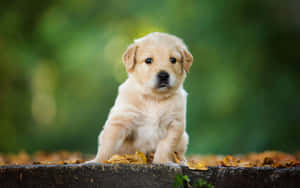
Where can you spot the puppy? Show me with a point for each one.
(149, 112)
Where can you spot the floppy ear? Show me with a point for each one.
(187, 59)
(129, 57)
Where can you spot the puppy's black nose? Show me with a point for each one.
(163, 76)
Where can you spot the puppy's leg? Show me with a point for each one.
(167, 146)
(182, 147)
(110, 141)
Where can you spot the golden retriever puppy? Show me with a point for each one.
(149, 112)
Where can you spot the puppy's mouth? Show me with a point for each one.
(163, 78)
(163, 85)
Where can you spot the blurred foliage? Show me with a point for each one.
(60, 67)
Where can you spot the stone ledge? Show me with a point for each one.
(151, 175)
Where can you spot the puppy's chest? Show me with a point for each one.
(153, 124)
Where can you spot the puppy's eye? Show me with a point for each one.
(148, 60)
(173, 60)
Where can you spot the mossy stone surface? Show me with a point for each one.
(133, 176)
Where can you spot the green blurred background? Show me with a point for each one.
(60, 67)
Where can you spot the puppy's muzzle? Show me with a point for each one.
(163, 79)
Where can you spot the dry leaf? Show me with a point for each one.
(142, 156)
(137, 158)
(268, 161)
(176, 160)
(196, 166)
(245, 164)
(229, 161)
(297, 163)
(273, 159)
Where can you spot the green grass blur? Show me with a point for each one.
(60, 67)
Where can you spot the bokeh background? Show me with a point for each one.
(60, 67)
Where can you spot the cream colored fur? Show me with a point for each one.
(146, 118)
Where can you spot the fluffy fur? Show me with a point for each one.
(145, 117)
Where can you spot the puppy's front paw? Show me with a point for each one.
(172, 164)
(91, 161)
(183, 163)
(162, 159)
(162, 162)
(96, 160)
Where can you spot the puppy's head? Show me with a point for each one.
(158, 61)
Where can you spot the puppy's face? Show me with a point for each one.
(158, 67)
(158, 62)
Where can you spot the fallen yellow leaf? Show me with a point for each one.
(196, 166)
(176, 160)
(142, 156)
